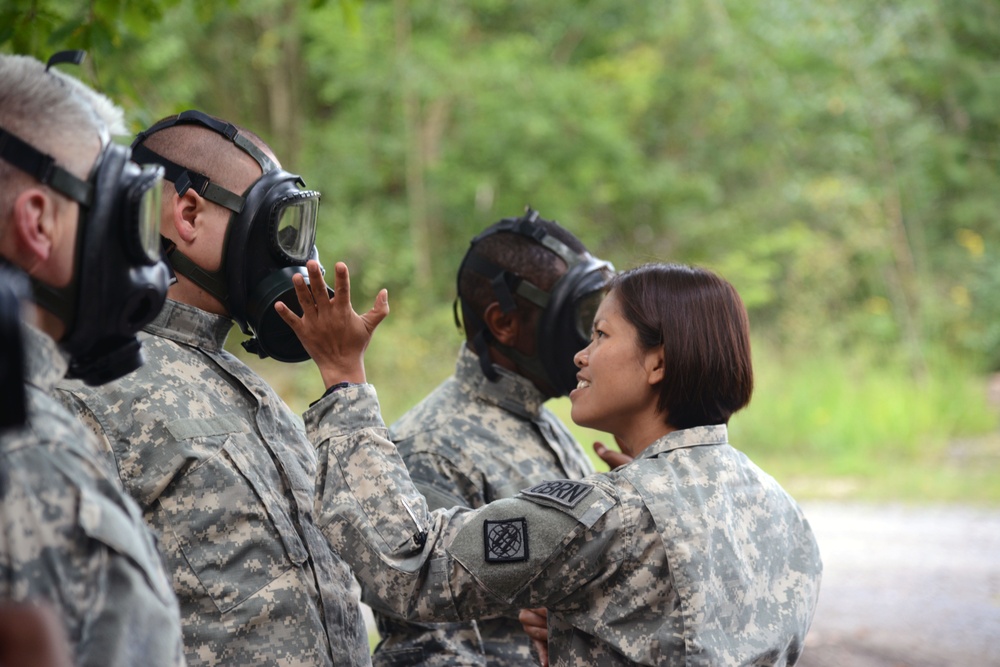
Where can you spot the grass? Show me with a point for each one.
(845, 428)
(828, 426)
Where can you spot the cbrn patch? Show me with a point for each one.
(505, 541)
(563, 491)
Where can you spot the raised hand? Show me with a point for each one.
(333, 334)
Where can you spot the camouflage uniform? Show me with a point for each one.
(690, 555)
(68, 535)
(470, 442)
(223, 471)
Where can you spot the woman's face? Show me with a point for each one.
(616, 382)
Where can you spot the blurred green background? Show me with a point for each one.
(837, 161)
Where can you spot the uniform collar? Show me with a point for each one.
(45, 363)
(191, 326)
(717, 434)
(510, 391)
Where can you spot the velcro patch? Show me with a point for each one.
(505, 541)
(563, 491)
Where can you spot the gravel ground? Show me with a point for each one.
(906, 587)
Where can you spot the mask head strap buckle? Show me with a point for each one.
(184, 179)
(43, 167)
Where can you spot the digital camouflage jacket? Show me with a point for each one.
(469, 442)
(70, 537)
(690, 555)
(223, 471)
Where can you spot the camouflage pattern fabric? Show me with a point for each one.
(469, 442)
(690, 555)
(222, 470)
(70, 537)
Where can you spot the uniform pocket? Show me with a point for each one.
(231, 521)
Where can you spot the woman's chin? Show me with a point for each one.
(580, 417)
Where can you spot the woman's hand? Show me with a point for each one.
(610, 456)
(535, 623)
(332, 333)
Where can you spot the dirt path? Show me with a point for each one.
(906, 587)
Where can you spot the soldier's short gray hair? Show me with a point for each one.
(55, 113)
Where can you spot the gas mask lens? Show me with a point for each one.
(144, 207)
(586, 310)
(293, 221)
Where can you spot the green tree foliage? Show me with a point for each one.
(836, 160)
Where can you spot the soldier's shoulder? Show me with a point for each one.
(507, 543)
(434, 411)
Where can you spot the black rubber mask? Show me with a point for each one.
(567, 310)
(119, 279)
(270, 236)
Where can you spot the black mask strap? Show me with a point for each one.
(503, 282)
(13, 291)
(184, 178)
(40, 165)
(481, 346)
(228, 130)
(32, 161)
(73, 57)
(213, 282)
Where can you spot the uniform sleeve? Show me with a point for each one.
(433, 644)
(441, 483)
(72, 546)
(450, 564)
(40, 556)
(429, 644)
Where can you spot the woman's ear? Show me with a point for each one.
(655, 370)
(504, 326)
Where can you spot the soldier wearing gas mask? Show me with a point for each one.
(79, 218)
(528, 290)
(219, 464)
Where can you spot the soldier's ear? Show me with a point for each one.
(33, 228)
(505, 327)
(187, 209)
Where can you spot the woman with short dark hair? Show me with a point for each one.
(700, 322)
(688, 555)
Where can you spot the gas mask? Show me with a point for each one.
(13, 291)
(270, 235)
(119, 281)
(567, 310)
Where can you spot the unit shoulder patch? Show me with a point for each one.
(565, 492)
(505, 541)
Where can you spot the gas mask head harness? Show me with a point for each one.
(119, 281)
(13, 291)
(567, 310)
(270, 235)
